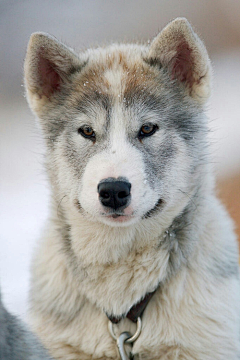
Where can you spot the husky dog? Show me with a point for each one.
(16, 342)
(133, 210)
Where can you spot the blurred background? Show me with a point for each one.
(80, 24)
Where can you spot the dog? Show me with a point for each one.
(136, 237)
(16, 341)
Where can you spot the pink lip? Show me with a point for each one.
(118, 218)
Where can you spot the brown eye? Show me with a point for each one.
(147, 130)
(87, 132)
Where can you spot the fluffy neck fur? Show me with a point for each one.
(155, 249)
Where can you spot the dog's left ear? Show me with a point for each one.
(181, 51)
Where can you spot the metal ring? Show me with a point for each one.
(132, 338)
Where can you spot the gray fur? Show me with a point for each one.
(16, 341)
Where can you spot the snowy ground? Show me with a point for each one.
(24, 190)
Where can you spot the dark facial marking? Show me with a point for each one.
(78, 205)
(88, 101)
(157, 207)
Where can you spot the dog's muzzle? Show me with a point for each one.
(114, 193)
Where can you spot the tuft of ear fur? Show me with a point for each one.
(181, 51)
(48, 66)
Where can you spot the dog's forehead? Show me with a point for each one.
(113, 75)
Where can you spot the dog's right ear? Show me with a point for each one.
(49, 67)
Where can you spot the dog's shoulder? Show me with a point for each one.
(16, 341)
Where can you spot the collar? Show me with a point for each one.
(136, 310)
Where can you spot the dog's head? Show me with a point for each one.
(124, 125)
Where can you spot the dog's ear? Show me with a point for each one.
(49, 67)
(180, 50)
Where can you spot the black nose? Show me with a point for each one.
(114, 193)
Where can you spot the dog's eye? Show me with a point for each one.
(147, 130)
(87, 132)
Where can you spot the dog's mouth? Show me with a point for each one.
(117, 217)
(120, 216)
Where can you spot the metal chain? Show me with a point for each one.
(120, 344)
(125, 338)
(133, 337)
